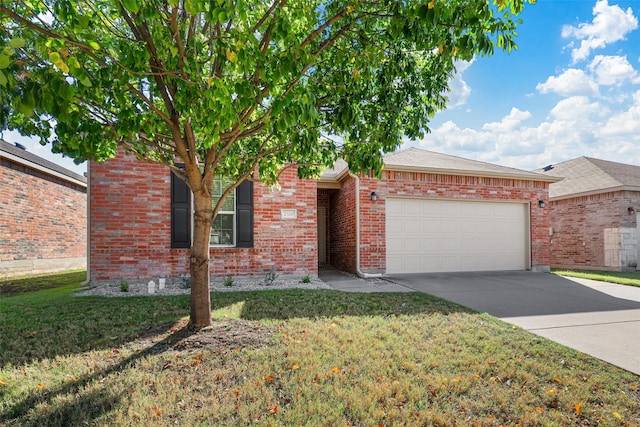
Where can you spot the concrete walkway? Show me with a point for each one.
(346, 282)
(596, 318)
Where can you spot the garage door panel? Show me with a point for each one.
(510, 227)
(394, 227)
(413, 207)
(448, 210)
(412, 225)
(394, 246)
(433, 226)
(449, 245)
(439, 235)
(413, 245)
(449, 262)
(431, 262)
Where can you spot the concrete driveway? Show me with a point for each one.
(600, 319)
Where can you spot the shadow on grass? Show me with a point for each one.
(288, 304)
(69, 325)
(44, 325)
(21, 285)
(86, 405)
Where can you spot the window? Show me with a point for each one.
(232, 227)
(223, 228)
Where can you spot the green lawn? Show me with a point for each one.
(631, 278)
(287, 358)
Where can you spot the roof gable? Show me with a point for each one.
(20, 155)
(587, 175)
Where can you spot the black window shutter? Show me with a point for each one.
(180, 213)
(244, 215)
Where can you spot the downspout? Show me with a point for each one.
(88, 278)
(359, 272)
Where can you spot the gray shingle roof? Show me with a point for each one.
(418, 160)
(31, 160)
(429, 161)
(586, 175)
(333, 172)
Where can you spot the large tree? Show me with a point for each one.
(236, 88)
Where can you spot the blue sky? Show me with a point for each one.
(571, 89)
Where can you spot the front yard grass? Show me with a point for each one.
(24, 284)
(287, 358)
(631, 278)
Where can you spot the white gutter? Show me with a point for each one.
(359, 272)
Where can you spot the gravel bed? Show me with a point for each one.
(177, 287)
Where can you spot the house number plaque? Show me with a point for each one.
(288, 213)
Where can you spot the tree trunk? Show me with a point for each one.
(199, 263)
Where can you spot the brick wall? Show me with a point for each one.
(373, 219)
(589, 232)
(342, 227)
(43, 222)
(130, 226)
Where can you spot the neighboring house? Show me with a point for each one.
(593, 214)
(43, 215)
(429, 212)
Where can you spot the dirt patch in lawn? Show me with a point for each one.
(221, 336)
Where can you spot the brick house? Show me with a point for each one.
(592, 213)
(43, 215)
(428, 212)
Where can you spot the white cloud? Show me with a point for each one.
(575, 126)
(623, 126)
(451, 137)
(459, 90)
(571, 82)
(613, 70)
(576, 108)
(610, 24)
(597, 115)
(509, 122)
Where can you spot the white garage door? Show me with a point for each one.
(445, 235)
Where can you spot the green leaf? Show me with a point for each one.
(3, 79)
(83, 21)
(17, 43)
(5, 61)
(54, 57)
(66, 91)
(422, 11)
(131, 5)
(85, 81)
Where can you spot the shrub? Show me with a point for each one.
(270, 277)
(186, 282)
(124, 286)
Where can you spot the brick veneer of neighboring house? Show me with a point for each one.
(43, 215)
(595, 231)
(589, 216)
(130, 233)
